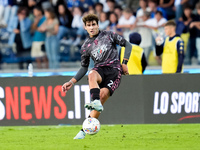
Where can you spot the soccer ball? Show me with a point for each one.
(91, 126)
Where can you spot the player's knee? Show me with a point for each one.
(91, 76)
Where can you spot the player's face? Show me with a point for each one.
(92, 28)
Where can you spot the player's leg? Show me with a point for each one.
(104, 95)
(94, 79)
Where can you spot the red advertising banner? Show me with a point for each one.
(139, 99)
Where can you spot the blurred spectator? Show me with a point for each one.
(172, 49)
(141, 11)
(77, 17)
(146, 33)
(72, 3)
(113, 24)
(127, 19)
(33, 3)
(21, 3)
(38, 38)
(98, 9)
(77, 31)
(111, 5)
(19, 28)
(167, 5)
(77, 25)
(187, 18)
(3, 4)
(126, 22)
(143, 7)
(86, 5)
(118, 10)
(51, 27)
(137, 61)
(7, 11)
(105, 5)
(152, 4)
(184, 20)
(157, 23)
(182, 28)
(91, 11)
(193, 3)
(131, 4)
(195, 24)
(179, 8)
(103, 21)
(65, 20)
(46, 5)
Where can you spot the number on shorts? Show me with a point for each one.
(110, 84)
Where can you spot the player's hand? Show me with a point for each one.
(66, 86)
(125, 69)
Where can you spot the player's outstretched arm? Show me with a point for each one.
(66, 86)
(82, 71)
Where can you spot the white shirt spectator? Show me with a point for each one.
(105, 6)
(140, 12)
(77, 21)
(154, 23)
(124, 21)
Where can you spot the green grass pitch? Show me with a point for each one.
(110, 137)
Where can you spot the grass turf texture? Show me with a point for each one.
(116, 137)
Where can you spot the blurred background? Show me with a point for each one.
(48, 34)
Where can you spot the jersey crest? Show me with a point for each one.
(99, 52)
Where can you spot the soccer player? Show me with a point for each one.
(172, 49)
(105, 77)
(137, 61)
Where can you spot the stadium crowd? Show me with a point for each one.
(50, 31)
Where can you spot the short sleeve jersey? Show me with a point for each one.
(102, 49)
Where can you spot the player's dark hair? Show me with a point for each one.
(90, 17)
(170, 23)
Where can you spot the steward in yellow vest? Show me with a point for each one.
(172, 50)
(137, 61)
